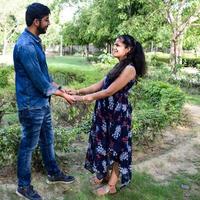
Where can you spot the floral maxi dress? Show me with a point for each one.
(110, 138)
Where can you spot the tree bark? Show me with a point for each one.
(87, 50)
(5, 44)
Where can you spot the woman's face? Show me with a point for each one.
(119, 50)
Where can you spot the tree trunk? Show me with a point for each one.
(5, 44)
(109, 48)
(87, 50)
(61, 46)
(176, 51)
(152, 46)
(173, 55)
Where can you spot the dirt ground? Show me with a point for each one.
(178, 151)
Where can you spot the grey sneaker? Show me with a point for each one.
(28, 193)
(60, 178)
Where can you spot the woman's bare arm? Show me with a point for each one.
(127, 75)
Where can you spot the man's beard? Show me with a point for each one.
(41, 30)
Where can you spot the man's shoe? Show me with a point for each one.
(60, 178)
(28, 193)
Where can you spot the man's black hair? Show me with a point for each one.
(36, 11)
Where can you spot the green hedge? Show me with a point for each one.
(5, 73)
(71, 77)
(10, 138)
(156, 105)
(186, 61)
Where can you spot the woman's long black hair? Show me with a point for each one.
(134, 57)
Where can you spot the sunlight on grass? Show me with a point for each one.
(72, 62)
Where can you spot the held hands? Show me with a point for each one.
(69, 98)
(72, 96)
(85, 99)
(71, 91)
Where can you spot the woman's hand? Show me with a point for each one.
(71, 91)
(69, 98)
(85, 99)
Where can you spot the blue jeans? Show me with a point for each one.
(37, 129)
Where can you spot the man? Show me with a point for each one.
(34, 87)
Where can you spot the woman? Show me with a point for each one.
(109, 153)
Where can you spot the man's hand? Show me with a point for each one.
(70, 99)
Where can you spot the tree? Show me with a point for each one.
(180, 15)
(10, 22)
(144, 21)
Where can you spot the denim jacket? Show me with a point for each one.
(33, 83)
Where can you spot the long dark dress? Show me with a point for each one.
(110, 135)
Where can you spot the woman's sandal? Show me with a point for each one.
(95, 181)
(106, 189)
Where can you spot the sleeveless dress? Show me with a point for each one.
(110, 138)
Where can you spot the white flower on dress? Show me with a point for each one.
(129, 148)
(116, 134)
(98, 105)
(124, 171)
(111, 102)
(104, 127)
(94, 167)
(129, 134)
(101, 150)
(118, 107)
(104, 166)
(124, 156)
(97, 129)
(124, 107)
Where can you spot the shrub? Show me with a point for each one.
(9, 141)
(191, 62)
(66, 115)
(7, 102)
(156, 105)
(187, 61)
(10, 138)
(69, 77)
(4, 76)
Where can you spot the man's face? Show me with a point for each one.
(43, 25)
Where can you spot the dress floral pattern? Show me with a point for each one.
(110, 138)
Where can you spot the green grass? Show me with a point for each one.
(192, 95)
(193, 99)
(72, 62)
(143, 187)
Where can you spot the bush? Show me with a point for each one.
(71, 77)
(160, 59)
(191, 62)
(4, 76)
(10, 138)
(7, 102)
(156, 105)
(65, 115)
(9, 141)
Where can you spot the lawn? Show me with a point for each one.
(72, 62)
(143, 187)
